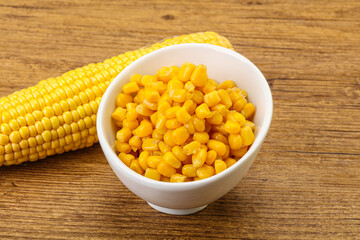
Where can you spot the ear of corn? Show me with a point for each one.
(59, 114)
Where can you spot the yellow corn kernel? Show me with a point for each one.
(189, 170)
(236, 116)
(199, 76)
(150, 144)
(248, 110)
(140, 96)
(163, 106)
(240, 152)
(178, 95)
(199, 158)
(165, 74)
(190, 106)
(161, 124)
(225, 98)
(126, 158)
(226, 84)
(208, 87)
(232, 127)
(198, 97)
(164, 179)
(153, 161)
(229, 162)
(135, 165)
(217, 146)
(212, 98)
(143, 159)
(170, 158)
(202, 111)
(135, 142)
(152, 174)
(165, 169)
(189, 87)
(168, 138)
(190, 127)
(239, 104)
(119, 115)
(15, 137)
(130, 124)
(122, 99)
(247, 135)
(142, 110)
(157, 135)
(154, 118)
(235, 141)
(210, 157)
(186, 71)
(199, 124)
(136, 78)
(215, 119)
(192, 148)
(178, 153)
(150, 105)
(144, 129)
(221, 108)
(164, 147)
(234, 96)
(123, 135)
(201, 137)
(173, 84)
(220, 166)
(178, 178)
(182, 115)
(205, 171)
(119, 146)
(250, 124)
(171, 112)
(130, 87)
(243, 93)
(152, 95)
(172, 123)
(180, 135)
(147, 80)
(131, 114)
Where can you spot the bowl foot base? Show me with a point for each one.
(177, 211)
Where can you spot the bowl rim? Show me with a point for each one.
(184, 185)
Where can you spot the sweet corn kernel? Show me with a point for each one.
(163, 106)
(199, 158)
(143, 159)
(192, 148)
(202, 111)
(248, 110)
(153, 161)
(221, 108)
(215, 119)
(217, 146)
(144, 129)
(185, 71)
(152, 174)
(226, 84)
(205, 171)
(168, 138)
(170, 158)
(210, 157)
(178, 153)
(130, 124)
(165, 169)
(171, 112)
(150, 144)
(164, 179)
(172, 123)
(189, 170)
(201, 137)
(199, 76)
(126, 158)
(189, 87)
(212, 98)
(247, 135)
(199, 124)
(180, 135)
(240, 152)
(164, 147)
(220, 166)
(198, 97)
(165, 74)
(178, 95)
(119, 146)
(225, 98)
(130, 87)
(140, 97)
(123, 135)
(152, 95)
(229, 162)
(239, 104)
(234, 96)
(135, 165)
(182, 115)
(136, 78)
(250, 124)
(150, 105)
(142, 110)
(190, 127)
(147, 80)
(232, 127)
(178, 178)
(235, 141)
(135, 142)
(119, 115)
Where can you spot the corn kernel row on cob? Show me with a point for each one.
(59, 114)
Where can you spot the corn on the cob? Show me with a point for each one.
(59, 114)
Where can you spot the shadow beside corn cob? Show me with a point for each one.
(59, 114)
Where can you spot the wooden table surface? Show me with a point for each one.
(305, 182)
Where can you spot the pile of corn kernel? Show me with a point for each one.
(178, 125)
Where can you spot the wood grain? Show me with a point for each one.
(305, 182)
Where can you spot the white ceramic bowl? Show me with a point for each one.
(222, 64)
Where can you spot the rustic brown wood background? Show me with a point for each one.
(304, 184)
